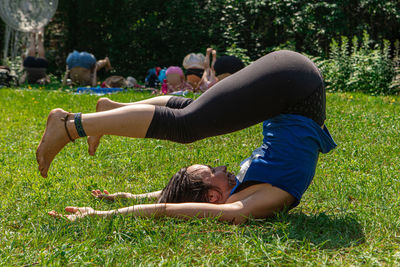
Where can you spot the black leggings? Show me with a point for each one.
(282, 82)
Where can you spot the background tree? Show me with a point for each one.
(137, 35)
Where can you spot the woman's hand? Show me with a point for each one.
(76, 213)
(104, 195)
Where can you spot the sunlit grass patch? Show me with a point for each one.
(348, 216)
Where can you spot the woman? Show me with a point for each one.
(175, 80)
(82, 68)
(284, 89)
(35, 64)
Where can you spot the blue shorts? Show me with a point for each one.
(82, 59)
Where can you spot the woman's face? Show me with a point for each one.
(174, 79)
(219, 178)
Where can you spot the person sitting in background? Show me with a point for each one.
(194, 65)
(35, 66)
(158, 69)
(132, 83)
(120, 82)
(151, 79)
(115, 81)
(82, 68)
(176, 80)
(162, 75)
(208, 79)
(220, 69)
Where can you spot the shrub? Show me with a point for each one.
(137, 35)
(395, 86)
(238, 52)
(359, 66)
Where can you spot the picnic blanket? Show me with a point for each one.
(98, 90)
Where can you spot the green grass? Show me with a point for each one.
(348, 216)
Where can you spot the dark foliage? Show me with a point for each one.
(137, 35)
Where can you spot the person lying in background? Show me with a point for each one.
(35, 64)
(176, 80)
(220, 69)
(116, 81)
(82, 68)
(194, 66)
(208, 78)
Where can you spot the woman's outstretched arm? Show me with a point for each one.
(259, 201)
(106, 195)
(224, 212)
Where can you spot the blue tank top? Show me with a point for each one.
(82, 59)
(288, 156)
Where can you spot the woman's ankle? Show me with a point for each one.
(71, 127)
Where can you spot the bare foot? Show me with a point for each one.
(40, 36)
(53, 140)
(108, 65)
(214, 58)
(207, 58)
(41, 32)
(103, 104)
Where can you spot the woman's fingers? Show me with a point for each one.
(98, 192)
(75, 213)
(55, 214)
(102, 195)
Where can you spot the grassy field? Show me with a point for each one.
(348, 216)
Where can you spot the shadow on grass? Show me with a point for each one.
(324, 231)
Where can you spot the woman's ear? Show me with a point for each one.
(213, 196)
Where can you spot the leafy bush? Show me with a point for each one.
(14, 65)
(396, 80)
(239, 53)
(137, 35)
(359, 66)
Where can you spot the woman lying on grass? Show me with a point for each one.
(283, 89)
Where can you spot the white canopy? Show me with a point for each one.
(27, 15)
(22, 16)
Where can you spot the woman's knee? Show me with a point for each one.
(174, 125)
